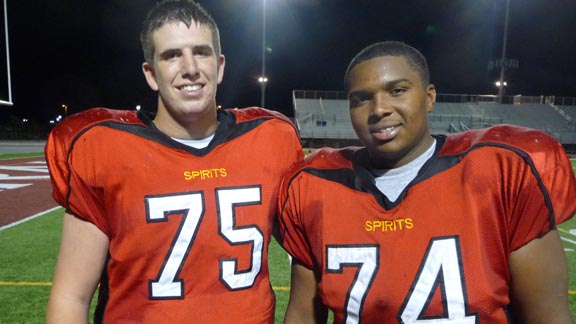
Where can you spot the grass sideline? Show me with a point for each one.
(31, 249)
(20, 155)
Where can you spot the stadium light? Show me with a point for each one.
(504, 44)
(65, 110)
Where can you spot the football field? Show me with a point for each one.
(29, 251)
(29, 256)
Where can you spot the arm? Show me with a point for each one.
(539, 288)
(304, 305)
(83, 252)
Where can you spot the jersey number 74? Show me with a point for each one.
(441, 268)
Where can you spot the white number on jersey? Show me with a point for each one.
(441, 267)
(365, 258)
(228, 199)
(167, 285)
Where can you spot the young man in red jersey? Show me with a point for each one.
(416, 228)
(170, 214)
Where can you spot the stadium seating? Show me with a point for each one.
(324, 115)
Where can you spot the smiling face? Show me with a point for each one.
(186, 71)
(389, 108)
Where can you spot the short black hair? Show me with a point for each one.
(392, 48)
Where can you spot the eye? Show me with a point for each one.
(170, 55)
(359, 98)
(203, 51)
(398, 91)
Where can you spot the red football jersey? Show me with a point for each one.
(189, 228)
(440, 251)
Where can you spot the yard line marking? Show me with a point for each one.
(29, 218)
(24, 283)
(282, 288)
(34, 168)
(569, 232)
(568, 240)
(46, 284)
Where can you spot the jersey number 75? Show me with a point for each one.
(167, 284)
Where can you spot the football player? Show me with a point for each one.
(170, 214)
(421, 228)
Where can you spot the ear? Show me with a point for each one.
(150, 75)
(221, 64)
(430, 98)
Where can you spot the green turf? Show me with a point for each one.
(23, 304)
(571, 255)
(20, 155)
(280, 277)
(30, 249)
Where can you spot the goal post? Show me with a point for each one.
(5, 76)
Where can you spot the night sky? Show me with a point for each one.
(86, 53)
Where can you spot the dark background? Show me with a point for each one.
(86, 53)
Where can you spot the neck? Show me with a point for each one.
(387, 161)
(190, 126)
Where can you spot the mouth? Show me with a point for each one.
(189, 88)
(385, 133)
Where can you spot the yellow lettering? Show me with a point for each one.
(409, 223)
(368, 226)
(389, 225)
(205, 174)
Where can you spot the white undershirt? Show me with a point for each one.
(197, 144)
(393, 181)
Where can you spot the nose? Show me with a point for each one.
(381, 105)
(189, 66)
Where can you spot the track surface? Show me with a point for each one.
(25, 189)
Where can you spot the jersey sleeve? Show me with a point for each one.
(292, 234)
(68, 170)
(547, 196)
(72, 152)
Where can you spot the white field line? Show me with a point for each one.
(29, 218)
(563, 237)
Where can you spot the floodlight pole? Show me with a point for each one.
(9, 102)
(503, 59)
(263, 78)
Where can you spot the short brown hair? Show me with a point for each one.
(169, 11)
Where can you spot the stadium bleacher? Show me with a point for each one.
(323, 115)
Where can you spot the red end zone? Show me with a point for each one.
(25, 189)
